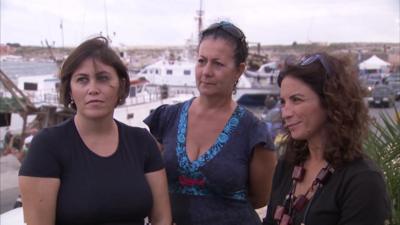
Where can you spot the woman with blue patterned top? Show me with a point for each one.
(218, 155)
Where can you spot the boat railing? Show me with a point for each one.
(43, 97)
(152, 93)
(142, 98)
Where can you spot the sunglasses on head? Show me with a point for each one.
(307, 60)
(228, 28)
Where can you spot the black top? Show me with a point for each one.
(355, 194)
(96, 189)
(213, 188)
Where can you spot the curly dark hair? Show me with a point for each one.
(335, 80)
(96, 48)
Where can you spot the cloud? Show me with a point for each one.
(160, 22)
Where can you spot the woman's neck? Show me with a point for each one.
(88, 126)
(206, 103)
(316, 153)
(316, 146)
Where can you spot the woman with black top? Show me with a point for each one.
(323, 176)
(92, 169)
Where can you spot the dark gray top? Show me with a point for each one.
(354, 195)
(95, 189)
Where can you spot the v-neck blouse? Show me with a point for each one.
(191, 180)
(220, 176)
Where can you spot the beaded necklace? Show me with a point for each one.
(284, 213)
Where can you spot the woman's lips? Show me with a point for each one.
(291, 125)
(94, 102)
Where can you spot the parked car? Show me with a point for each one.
(394, 82)
(382, 95)
(372, 81)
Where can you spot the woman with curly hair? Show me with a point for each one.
(323, 176)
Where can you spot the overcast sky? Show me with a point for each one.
(171, 22)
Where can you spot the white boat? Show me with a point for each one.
(179, 75)
(266, 74)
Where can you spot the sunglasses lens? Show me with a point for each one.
(308, 60)
(313, 58)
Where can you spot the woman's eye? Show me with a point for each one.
(81, 79)
(200, 61)
(295, 99)
(103, 78)
(219, 64)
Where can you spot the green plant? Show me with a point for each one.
(383, 146)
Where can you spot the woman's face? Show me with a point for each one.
(94, 89)
(216, 72)
(302, 112)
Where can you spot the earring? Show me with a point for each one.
(71, 102)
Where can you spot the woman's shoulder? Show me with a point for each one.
(166, 110)
(172, 108)
(131, 130)
(134, 133)
(360, 172)
(56, 131)
(248, 115)
(250, 120)
(360, 165)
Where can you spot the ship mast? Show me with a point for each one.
(62, 33)
(106, 20)
(199, 18)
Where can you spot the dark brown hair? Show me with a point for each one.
(335, 81)
(231, 33)
(97, 48)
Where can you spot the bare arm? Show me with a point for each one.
(262, 166)
(161, 211)
(39, 197)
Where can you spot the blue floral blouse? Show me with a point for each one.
(213, 188)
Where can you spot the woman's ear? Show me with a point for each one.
(122, 85)
(241, 68)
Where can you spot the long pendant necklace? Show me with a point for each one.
(284, 213)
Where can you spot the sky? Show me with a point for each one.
(172, 22)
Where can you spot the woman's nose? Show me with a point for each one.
(93, 87)
(286, 111)
(207, 70)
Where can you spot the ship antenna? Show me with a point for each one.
(199, 18)
(106, 19)
(62, 33)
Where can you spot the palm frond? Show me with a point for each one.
(383, 146)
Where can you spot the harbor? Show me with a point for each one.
(158, 43)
